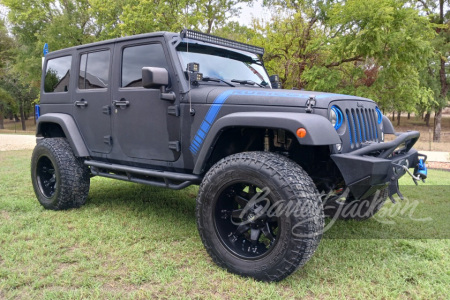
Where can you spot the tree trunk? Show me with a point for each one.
(437, 126)
(398, 118)
(444, 84)
(22, 117)
(1, 121)
(16, 118)
(423, 115)
(409, 115)
(427, 118)
(393, 116)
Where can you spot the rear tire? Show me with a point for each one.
(60, 180)
(247, 237)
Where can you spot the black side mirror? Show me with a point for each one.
(154, 77)
(275, 82)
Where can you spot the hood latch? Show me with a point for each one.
(310, 103)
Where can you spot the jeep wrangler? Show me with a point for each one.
(173, 110)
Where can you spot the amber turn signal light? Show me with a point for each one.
(301, 132)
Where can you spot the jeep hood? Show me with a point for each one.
(266, 97)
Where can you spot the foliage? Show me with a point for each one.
(373, 48)
(389, 50)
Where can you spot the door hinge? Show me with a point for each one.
(174, 110)
(106, 109)
(107, 139)
(175, 146)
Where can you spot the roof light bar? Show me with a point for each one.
(195, 35)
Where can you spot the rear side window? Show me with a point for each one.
(57, 74)
(94, 70)
(137, 57)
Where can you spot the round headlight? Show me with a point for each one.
(379, 115)
(336, 117)
(333, 117)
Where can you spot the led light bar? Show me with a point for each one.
(199, 36)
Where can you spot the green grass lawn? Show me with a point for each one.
(135, 241)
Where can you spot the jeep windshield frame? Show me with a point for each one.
(223, 63)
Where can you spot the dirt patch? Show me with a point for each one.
(10, 142)
(438, 165)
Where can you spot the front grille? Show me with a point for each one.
(362, 126)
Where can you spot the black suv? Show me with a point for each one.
(172, 110)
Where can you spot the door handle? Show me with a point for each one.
(81, 103)
(122, 103)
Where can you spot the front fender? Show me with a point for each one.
(319, 129)
(69, 128)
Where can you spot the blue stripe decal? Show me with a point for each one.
(222, 98)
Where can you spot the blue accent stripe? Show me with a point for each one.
(217, 104)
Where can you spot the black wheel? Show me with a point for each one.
(60, 180)
(344, 207)
(259, 215)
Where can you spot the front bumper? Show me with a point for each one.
(376, 166)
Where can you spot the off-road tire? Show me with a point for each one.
(299, 232)
(60, 180)
(358, 210)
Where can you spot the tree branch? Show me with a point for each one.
(338, 63)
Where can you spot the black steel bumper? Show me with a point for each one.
(376, 166)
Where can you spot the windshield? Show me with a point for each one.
(223, 63)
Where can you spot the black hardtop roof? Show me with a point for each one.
(116, 40)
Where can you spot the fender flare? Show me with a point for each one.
(69, 128)
(319, 129)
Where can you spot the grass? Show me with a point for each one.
(139, 242)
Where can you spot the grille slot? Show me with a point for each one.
(362, 126)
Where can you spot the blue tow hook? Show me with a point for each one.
(421, 170)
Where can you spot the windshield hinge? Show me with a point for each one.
(310, 103)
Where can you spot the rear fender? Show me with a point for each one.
(69, 128)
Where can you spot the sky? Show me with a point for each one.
(249, 12)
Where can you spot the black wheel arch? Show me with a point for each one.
(319, 130)
(62, 125)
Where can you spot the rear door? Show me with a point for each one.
(92, 98)
(143, 126)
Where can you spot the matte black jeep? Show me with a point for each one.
(172, 110)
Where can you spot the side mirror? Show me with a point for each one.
(154, 77)
(275, 82)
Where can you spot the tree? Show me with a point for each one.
(6, 101)
(438, 68)
(372, 48)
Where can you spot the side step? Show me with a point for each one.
(165, 179)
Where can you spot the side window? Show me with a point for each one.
(135, 58)
(57, 74)
(94, 70)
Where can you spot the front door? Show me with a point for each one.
(92, 99)
(143, 128)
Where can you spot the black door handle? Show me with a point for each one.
(81, 103)
(122, 103)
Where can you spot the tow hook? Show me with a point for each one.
(420, 173)
(421, 170)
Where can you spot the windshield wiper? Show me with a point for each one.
(217, 80)
(251, 82)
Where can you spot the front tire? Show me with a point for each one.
(239, 223)
(60, 180)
